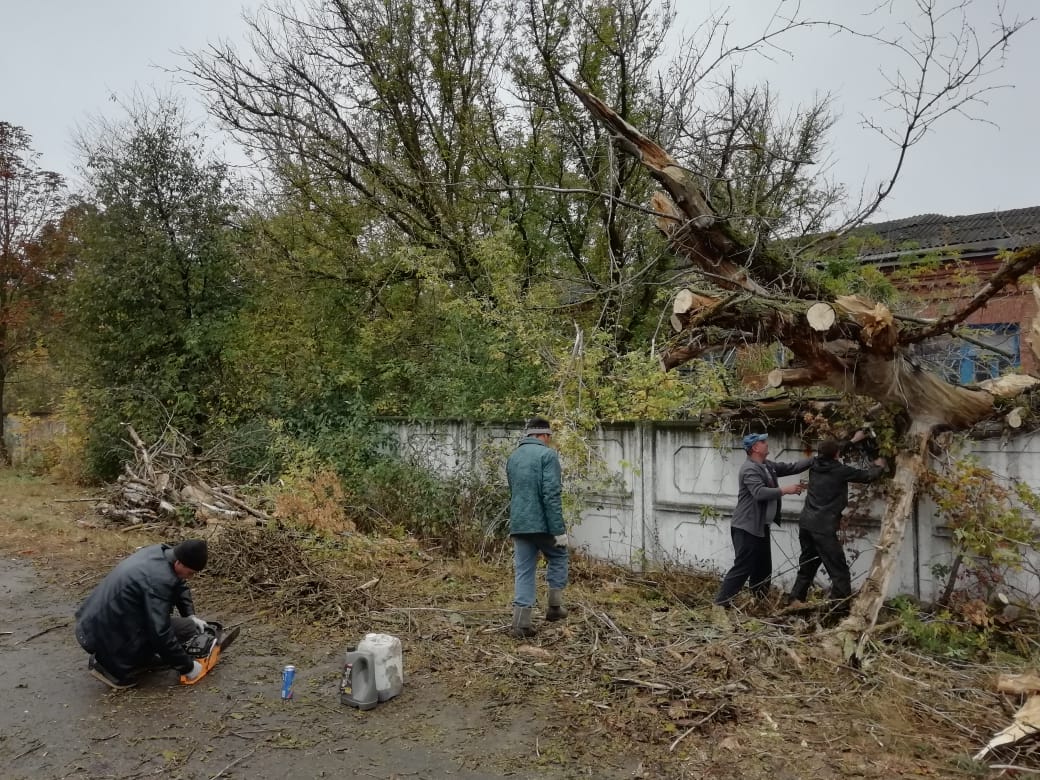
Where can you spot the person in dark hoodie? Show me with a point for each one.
(126, 623)
(825, 500)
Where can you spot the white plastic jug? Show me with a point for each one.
(388, 661)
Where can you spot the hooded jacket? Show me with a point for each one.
(535, 489)
(758, 493)
(127, 616)
(828, 492)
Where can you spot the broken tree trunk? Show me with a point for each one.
(847, 343)
(851, 636)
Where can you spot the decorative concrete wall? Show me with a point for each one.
(677, 490)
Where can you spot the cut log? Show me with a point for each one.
(1019, 683)
(1009, 386)
(1016, 417)
(795, 377)
(688, 300)
(1025, 723)
(821, 316)
(677, 324)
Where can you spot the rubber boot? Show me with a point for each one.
(556, 609)
(522, 628)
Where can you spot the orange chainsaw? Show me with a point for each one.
(207, 647)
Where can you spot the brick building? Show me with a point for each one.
(940, 262)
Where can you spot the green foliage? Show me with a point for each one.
(992, 521)
(942, 634)
(841, 272)
(157, 285)
(595, 384)
(479, 250)
(335, 429)
(465, 512)
(989, 520)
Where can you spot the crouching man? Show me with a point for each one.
(126, 623)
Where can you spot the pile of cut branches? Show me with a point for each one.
(281, 571)
(165, 484)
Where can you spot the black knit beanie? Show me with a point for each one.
(192, 553)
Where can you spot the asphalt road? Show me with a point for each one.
(57, 721)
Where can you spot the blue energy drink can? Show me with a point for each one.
(288, 676)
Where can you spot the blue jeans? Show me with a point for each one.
(526, 548)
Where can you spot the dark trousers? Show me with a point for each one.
(821, 547)
(752, 563)
(123, 665)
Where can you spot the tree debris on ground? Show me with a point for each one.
(1026, 721)
(166, 484)
(642, 657)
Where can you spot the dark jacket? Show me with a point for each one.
(535, 489)
(127, 616)
(758, 494)
(828, 492)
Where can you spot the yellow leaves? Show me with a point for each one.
(314, 501)
(990, 520)
(977, 613)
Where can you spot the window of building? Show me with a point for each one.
(994, 349)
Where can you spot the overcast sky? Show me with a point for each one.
(64, 61)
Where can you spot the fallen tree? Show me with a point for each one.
(848, 343)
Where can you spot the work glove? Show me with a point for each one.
(560, 541)
(200, 624)
(196, 671)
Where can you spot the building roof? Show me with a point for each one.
(971, 233)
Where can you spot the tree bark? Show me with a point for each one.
(851, 637)
(5, 455)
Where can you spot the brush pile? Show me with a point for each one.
(167, 484)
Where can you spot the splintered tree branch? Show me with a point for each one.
(688, 219)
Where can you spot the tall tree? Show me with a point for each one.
(157, 287)
(31, 203)
(469, 172)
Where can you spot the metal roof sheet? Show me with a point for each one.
(996, 229)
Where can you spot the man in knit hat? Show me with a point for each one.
(536, 525)
(126, 623)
